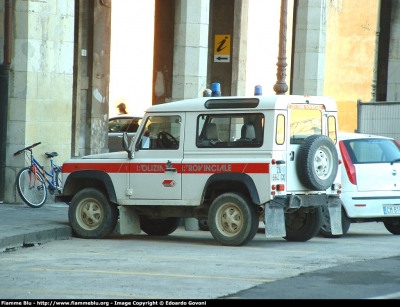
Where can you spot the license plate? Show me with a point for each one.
(395, 209)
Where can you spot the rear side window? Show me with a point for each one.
(372, 150)
(230, 130)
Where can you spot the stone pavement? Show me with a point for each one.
(23, 226)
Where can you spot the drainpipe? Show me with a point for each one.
(4, 80)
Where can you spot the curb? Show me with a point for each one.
(34, 238)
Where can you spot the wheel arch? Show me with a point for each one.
(79, 180)
(224, 182)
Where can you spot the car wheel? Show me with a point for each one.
(302, 225)
(232, 219)
(159, 227)
(325, 230)
(91, 215)
(317, 162)
(393, 225)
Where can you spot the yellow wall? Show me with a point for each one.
(350, 53)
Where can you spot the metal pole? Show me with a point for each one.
(4, 83)
(280, 86)
(375, 72)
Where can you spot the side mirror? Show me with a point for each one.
(125, 144)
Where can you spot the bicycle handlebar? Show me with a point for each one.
(26, 148)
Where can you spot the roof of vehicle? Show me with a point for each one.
(273, 102)
(126, 116)
(355, 135)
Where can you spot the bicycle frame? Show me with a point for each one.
(53, 175)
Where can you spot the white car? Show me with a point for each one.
(370, 171)
(119, 124)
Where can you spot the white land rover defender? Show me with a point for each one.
(233, 161)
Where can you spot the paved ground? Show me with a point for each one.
(21, 225)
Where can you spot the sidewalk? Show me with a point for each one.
(21, 225)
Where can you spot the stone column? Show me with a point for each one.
(190, 48)
(310, 45)
(239, 48)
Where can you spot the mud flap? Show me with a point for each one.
(274, 221)
(128, 223)
(335, 215)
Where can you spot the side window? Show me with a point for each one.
(230, 130)
(332, 132)
(160, 132)
(280, 129)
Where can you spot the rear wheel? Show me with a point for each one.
(232, 219)
(393, 226)
(91, 215)
(302, 225)
(31, 187)
(159, 227)
(326, 231)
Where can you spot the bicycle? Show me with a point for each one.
(34, 181)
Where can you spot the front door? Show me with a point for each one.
(156, 168)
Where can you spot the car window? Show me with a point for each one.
(161, 132)
(230, 130)
(123, 124)
(372, 150)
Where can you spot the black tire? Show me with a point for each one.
(232, 219)
(326, 231)
(91, 215)
(31, 189)
(203, 225)
(317, 162)
(159, 227)
(393, 226)
(302, 226)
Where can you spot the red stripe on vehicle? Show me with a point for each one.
(106, 167)
(154, 168)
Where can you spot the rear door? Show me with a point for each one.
(304, 120)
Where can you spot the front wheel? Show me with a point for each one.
(232, 219)
(31, 187)
(302, 225)
(393, 226)
(91, 215)
(159, 227)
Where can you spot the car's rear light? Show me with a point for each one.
(348, 164)
(277, 187)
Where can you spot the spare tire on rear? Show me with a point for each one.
(317, 162)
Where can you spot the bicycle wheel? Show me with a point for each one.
(32, 190)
